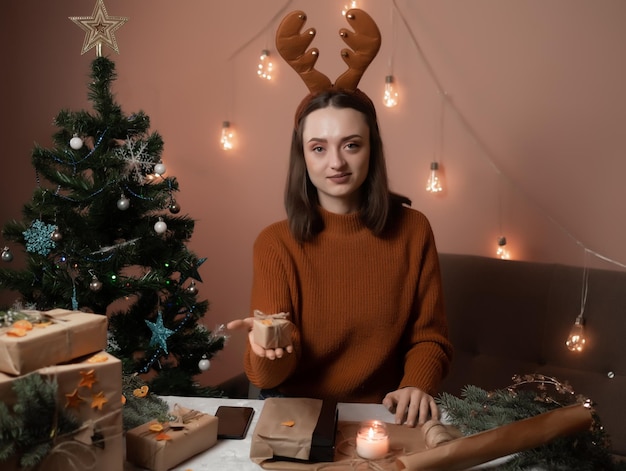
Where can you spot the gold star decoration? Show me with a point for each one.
(99, 28)
(73, 399)
(88, 378)
(98, 400)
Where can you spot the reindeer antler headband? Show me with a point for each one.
(364, 42)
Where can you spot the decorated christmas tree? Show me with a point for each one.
(103, 233)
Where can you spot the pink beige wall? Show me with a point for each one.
(532, 145)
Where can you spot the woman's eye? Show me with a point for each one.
(352, 145)
(317, 149)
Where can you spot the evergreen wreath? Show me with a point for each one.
(478, 410)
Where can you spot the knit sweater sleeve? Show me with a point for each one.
(274, 279)
(429, 351)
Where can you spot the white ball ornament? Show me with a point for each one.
(159, 169)
(76, 143)
(204, 364)
(123, 203)
(160, 227)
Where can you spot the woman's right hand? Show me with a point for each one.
(246, 324)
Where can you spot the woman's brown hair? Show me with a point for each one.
(378, 204)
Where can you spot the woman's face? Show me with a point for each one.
(336, 152)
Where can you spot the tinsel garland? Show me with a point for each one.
(478, 410)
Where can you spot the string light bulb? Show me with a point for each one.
(390, 95)
(265, 67)
(502, 252)
(576, 339)
(349, 6)
(227, 136)
(433, 185)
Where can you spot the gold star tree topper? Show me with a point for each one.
(99, 28)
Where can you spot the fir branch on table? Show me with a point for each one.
(140, 410)
(478, 410)
(30, 429)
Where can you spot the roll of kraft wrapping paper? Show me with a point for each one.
(479, 448)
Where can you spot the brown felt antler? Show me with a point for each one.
(292, 45)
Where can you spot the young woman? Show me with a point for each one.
(357, 270)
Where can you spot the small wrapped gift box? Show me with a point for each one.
(160, 447)
(272, 330)
(61, 336)
(89, 390)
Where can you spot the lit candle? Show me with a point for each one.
(372, 440)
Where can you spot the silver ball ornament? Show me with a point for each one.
(76, 143)
(7, 256)
(159, 169)
(56, 235)
(95, 285)
(204, 364)
(123, 203)
(160, 227)
(192, 288)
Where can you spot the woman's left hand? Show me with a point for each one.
(411, 406)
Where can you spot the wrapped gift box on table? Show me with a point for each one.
(57, 336)
(161, 446)
(89, 392)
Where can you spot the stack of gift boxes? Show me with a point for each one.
(82, 428)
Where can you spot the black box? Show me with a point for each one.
(324, 435)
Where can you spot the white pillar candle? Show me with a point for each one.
(372, 440)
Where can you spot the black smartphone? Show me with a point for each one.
(233, 421)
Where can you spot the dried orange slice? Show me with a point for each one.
(23, 324)
(141, 392)
(99, 358)
(16, 332)
(156, 427)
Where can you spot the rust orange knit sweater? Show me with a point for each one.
(369, 310)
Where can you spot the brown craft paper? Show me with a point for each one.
(98, 444)
(272, 330)
(463, 453)
(198, 434)
(72, 334)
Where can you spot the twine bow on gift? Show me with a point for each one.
(77, 451)
(262, 316)
(272, 330)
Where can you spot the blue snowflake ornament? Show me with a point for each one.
(38, 238)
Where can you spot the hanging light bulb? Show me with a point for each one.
(390, 96)
(349, 6)
(502, 251)
(434, 183)
(227, 136)
(265, 67)
(576, 340)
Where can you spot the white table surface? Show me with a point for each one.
(227, 455)
(234, 455)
